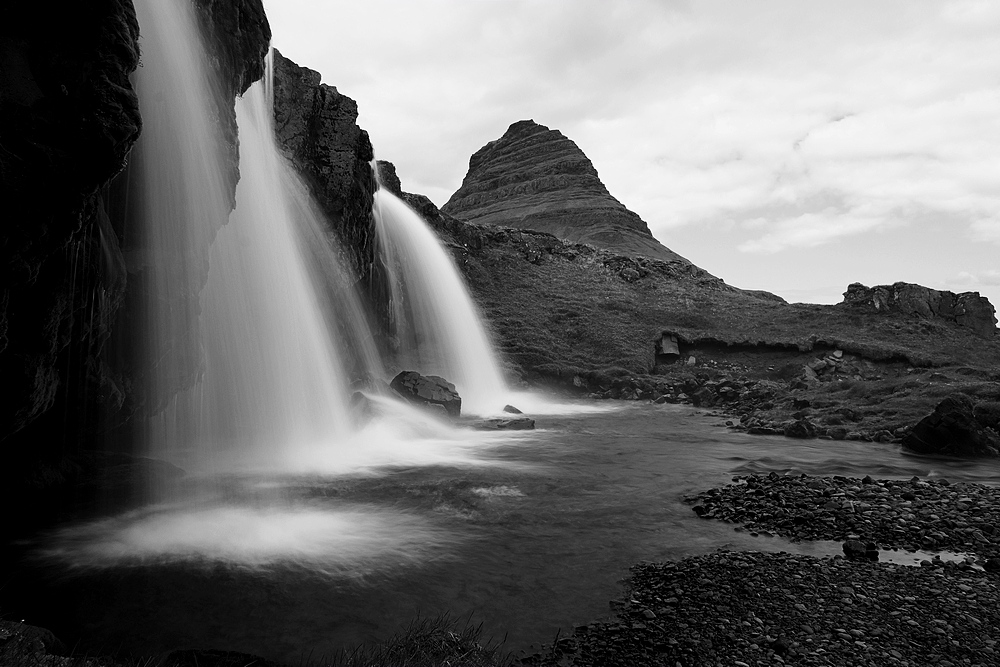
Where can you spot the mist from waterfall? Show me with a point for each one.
(437, 328)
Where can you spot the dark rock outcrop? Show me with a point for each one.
(505, 424)
(428, 390)
(953, 430)
(389, 178)
(536, 178)
(317, 130)
(968, 309)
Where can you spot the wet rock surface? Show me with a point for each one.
(752, 608)
(317, 130)
(930, 514)
(429, 390)
(504, 424)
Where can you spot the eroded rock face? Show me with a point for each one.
(968, 309)
(317, 129)
(535, 178)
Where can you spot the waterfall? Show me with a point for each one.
(253, 329)
(437, 328)
(270, 380)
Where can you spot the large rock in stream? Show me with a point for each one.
(428, 390)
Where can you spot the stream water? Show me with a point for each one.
(526, 532)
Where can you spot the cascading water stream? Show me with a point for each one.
(271, 384)
(258, 340)
(437, 328)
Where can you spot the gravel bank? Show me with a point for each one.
(911, 515)
(749, 608)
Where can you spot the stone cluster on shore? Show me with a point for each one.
(750, 608)
(912, 514)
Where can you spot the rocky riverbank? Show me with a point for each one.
(755, 608)
(850, 399)
(770, 608)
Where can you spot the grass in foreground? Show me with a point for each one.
(428, 642)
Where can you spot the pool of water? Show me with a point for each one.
(530, 533)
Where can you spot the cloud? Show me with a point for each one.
(800, 125)
(986, 229)
(807, 230)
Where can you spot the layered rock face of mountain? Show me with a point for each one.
(536, 178)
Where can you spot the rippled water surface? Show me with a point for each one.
(531, 534)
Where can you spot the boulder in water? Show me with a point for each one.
(511, 409)
(428, 389)
(504, 424)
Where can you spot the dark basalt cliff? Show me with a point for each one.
(535, 178)
(317, 129)
(68, 118)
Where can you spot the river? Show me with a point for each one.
(526, 532)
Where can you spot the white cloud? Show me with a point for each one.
(807, 230)
(990, 277)
(987, 229)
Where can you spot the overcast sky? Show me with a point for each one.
(789, 146)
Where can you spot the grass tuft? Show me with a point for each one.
(428, 642)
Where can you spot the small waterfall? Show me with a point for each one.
(437, 328)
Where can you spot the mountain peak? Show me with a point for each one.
(534, 177)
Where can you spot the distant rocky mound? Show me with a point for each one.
(967, 309)
(535, 178)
